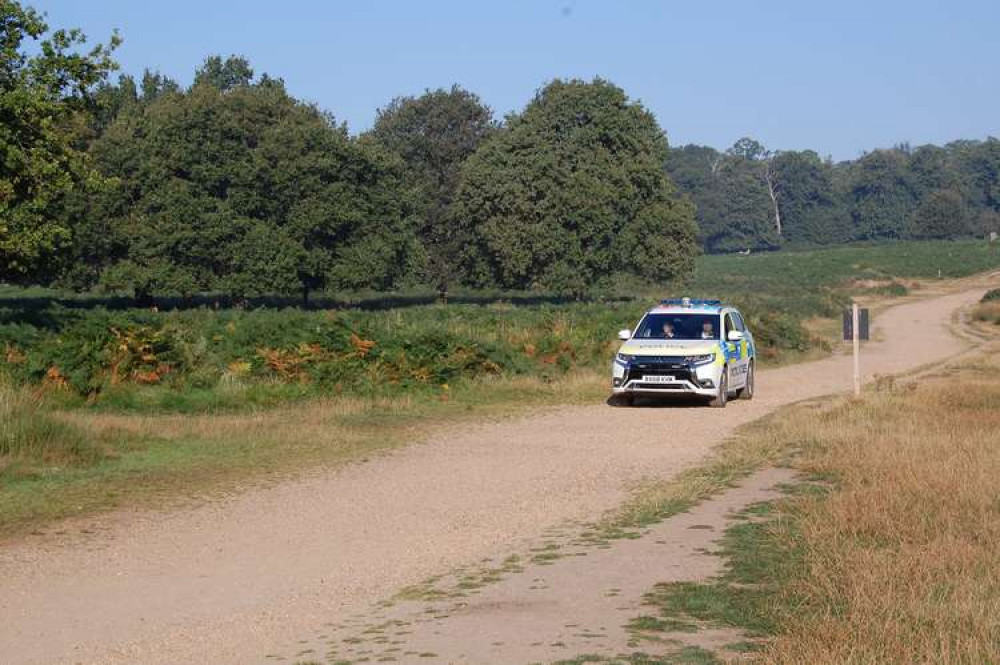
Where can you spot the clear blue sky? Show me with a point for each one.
(838, 76)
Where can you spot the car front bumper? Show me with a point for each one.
(651, 377)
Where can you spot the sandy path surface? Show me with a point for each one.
(555, 609)
(232, 580)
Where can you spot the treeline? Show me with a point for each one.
(232, 185)
(749, 198)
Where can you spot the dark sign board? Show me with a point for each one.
(862, 325)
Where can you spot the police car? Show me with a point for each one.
(686, 346)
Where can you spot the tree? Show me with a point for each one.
(696, 170)
(805, 191)
(882, 199)
(747, 220)
(44, 89)
(571, 191)
(734, 195)
(248, 191)
(978, 167)
(930, 169)
(753, 153)
(224, 75)
(940, 215)
(433, 135)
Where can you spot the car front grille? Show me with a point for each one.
(637, 370)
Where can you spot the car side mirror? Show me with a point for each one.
(735, 335)
(625, 334)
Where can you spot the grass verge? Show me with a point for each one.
(55, 465)
(889, 551)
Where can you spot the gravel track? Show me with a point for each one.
(234, 579)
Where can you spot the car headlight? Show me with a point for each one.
(624, 357)
(700, 360)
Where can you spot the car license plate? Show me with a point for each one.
(658, 378)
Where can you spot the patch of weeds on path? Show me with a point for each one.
(761, 552)
(470, 580)
(758, 445)
(687, 655)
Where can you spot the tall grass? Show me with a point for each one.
(31, 437)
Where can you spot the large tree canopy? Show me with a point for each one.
(573, 190)
(233, 185)
(433, 135)
(46, 87)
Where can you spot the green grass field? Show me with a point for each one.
(814, 282)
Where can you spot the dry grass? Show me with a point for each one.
(988, 312)
(341, 427)
(902, 560)
(888, 553)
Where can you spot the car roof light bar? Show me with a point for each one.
(691, 302)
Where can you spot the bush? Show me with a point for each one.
(94, 353)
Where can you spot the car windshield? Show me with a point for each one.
(679, 326)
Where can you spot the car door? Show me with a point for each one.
(737, 355)
(748, 347)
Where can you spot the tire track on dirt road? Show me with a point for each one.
(228, 581)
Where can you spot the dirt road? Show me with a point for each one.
(229, 581)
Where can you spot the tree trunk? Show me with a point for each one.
(769, 179)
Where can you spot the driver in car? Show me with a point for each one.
(707, 330)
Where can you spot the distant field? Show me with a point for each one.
(814, 282)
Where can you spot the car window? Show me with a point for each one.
(678, 326)
(729, 326)
(738, 320)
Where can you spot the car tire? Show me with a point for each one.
(746, 392)
(621, 399)
(722, 395)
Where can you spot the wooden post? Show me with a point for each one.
(857, 348)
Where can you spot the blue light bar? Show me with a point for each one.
(691, 302)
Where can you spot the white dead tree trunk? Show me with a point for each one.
(772, 192)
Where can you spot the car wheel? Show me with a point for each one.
(621, 399)
(722, 396)
(746, 392)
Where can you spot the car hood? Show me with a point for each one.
(664, 347)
